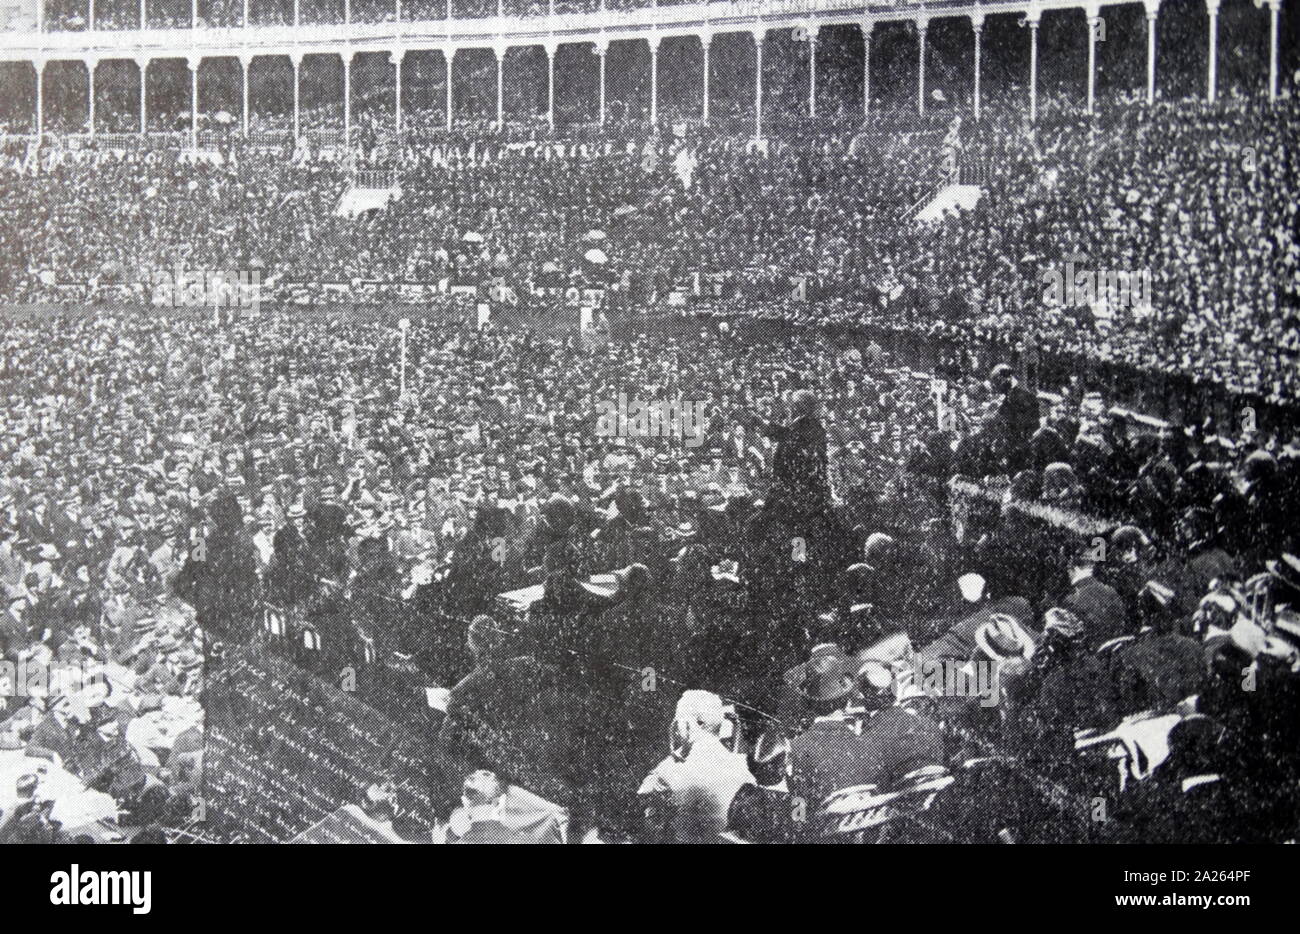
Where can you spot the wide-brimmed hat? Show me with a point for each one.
(683, 530)
(726, 569)
(632, 579)
(1001, 638)
(1000, 372)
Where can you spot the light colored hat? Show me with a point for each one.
(1058, 619)
(971, 586)
(1002, 639)
(726, 569)
(701, 707)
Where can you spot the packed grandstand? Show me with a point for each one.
(647, 446)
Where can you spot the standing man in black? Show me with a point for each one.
(799, 470)
(1017, 415)
(291, 579)
(796, 531)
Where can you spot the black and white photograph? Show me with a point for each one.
(747, 422)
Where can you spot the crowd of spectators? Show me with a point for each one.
(777, 576)
(266, 472)
(101, 662)
(73, 15)
(1171, 202)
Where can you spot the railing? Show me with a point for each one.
(974, 169)
(376, 178)
(269, 137)
(118, 140)
(325, 138)
(154, 139)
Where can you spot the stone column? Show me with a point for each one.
(142, 62)
(194, 61)
(922, 27)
